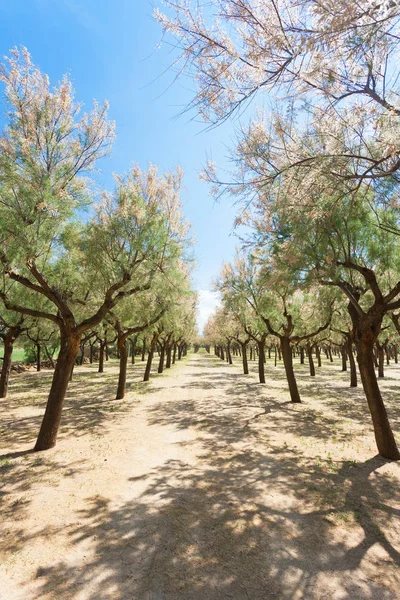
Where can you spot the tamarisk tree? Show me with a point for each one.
(82, 269)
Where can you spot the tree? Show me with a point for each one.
(82, 269)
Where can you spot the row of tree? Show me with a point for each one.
(75, 261)
(316, 167)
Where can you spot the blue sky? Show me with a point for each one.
(112, 51)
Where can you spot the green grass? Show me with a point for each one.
(18, 354)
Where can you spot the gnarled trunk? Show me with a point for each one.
(383, 433)
(69, 348)
(38, 357)
(288, 363)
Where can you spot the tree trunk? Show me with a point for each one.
(261, 361)
(144, 350)
(330, 354)
(174, 355)
(161, 362)
(318, 355)
(123, 363)
(343, 352)
(301, 355)
(82, 356)
(69, 348)
(169, 357)
(228, 354)
(381, 360)
(91, 355)
(288, 363)
(383, 433)
(150, 358)
(101, 357)
(310, 361)
(38, 357)
(8, 341)
(353, 370)
(244, 359)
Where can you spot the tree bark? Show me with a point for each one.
(383, 433)
(228, 354)
(381, 360)
(310, 360)
(301, 355)
(353, 370)
(261, 361)
(244, 359)
(162, 356)
(123, 363)
(69, 348)
(101, 357)
(343, 353)
(38, 357)
(169, 357)
(150, 357)
(288, 363)
(8, 346)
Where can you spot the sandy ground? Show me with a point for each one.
(201, 485)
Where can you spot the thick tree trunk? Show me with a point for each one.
(123, 363)
(8, 346)
(261, 361)
(244, 359)
(288, 363)
(383, 433)
(69, 348)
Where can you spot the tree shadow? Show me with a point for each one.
(213, 532)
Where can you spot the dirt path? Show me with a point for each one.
(203, 485)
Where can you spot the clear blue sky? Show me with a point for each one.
(110, 50)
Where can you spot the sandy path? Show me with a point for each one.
(201, 485)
